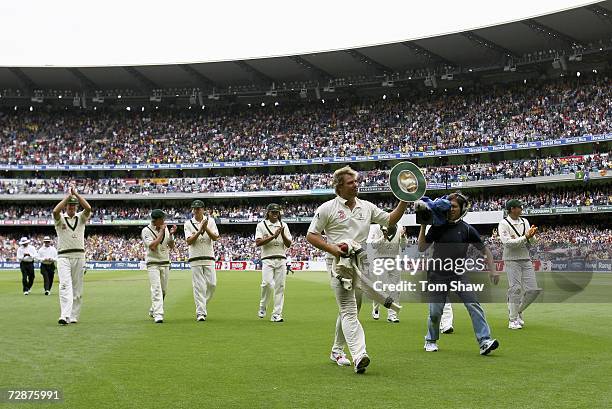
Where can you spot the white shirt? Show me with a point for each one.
(161, 255)
(515, 246)
(27, 253)
(341, 223)
(71, 235)
(385, 247)
(275, 247)
(45, 253)
(202, 249)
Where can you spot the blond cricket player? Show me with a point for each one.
(70, 229)
(273, 237)
(158, 241)
(343, 218)
(200, 233)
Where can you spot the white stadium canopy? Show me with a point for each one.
(77, 33)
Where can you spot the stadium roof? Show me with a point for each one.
(570, 33)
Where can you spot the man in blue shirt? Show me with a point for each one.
(446, 270)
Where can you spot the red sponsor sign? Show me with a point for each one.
(238, 265)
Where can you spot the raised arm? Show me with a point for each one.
(57, 210)
(82, 202)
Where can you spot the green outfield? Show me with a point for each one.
(117, 358)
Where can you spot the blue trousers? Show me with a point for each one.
(436, 305)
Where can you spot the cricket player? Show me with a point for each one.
(200, 233)
(158, 241)
(516, 236)
(451, 242)
(70, 229)
(274, 238)
(47, 255)
(343, 218)
(388, 242)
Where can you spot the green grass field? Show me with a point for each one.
(117, 358)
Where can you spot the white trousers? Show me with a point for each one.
(158, 277)
(447, 316)
(273, 276)
(521, 278)
(204, 280)
(390, 277)
(70, 273)
(348, 328)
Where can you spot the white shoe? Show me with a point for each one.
(375, 313)
(74, 321)
(393, 319)
(488, 346)
(340, 358)
(261, 313)
(515, 324)
(362, 363)
(431, 346)
(159, 320)
(151, 312)
(47, 292)
(276, 318)
(201, 318)
(26, 293)
(520, 319)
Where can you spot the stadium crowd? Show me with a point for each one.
(573, 240)
(568, 196)
(584, 240)
(300, 181)
(129, 247)
(486, 115)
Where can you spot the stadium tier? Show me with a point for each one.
(479, 117)
(437, 177)
(578, 196)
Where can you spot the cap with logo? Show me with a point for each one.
(197, 204)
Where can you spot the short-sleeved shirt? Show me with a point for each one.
(339, 222)
(201, 252)
(275, 247)
(71, 235)
(451, 241)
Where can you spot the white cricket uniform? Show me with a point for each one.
(389, 248)
(202, 262)
(71, 263)
(517, 262)
(273, 265)
(158, 267)
(339, 223)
